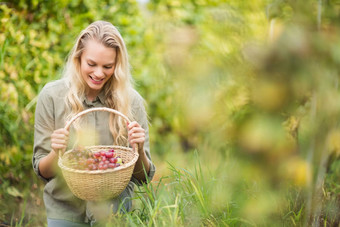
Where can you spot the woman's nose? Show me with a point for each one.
(98, 72)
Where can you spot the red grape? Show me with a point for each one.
(109, 154)
(85, 159)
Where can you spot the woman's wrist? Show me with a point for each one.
(53, 153)
(48, 164)
(140, 149)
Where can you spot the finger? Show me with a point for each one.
(59, 136)
(137, 140)
(137, 135)
(133, 124)
(136, 130)
(63, 131)
(57, 146)
(59, 141)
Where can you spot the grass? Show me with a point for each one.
(21, 220)
(218, 193)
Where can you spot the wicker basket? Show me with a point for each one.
(96, 185)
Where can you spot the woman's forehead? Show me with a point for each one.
(97, 52)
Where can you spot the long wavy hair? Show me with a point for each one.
(117, 89)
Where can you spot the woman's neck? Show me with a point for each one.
(91, 96)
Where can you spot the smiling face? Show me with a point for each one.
(97, 65)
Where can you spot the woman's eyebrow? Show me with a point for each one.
(92, 61)
(109, 64)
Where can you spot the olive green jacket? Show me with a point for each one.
(50, 114)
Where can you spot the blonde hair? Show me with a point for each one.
(117, 89)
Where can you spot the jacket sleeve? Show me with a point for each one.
(141, 118)
(43, 127)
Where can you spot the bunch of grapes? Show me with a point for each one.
(83, 159)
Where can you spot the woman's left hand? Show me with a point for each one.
(136, 135)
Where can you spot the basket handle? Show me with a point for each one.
(105, 109)
(68, 124)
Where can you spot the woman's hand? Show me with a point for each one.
(48, 164)
(136, 135)
(59, 140)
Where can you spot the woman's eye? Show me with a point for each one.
(90, 64)
(107, 67)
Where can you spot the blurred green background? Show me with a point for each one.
(243, 99)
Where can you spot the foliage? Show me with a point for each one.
(35, 38)
(251, 85)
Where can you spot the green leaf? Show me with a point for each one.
(14, 192)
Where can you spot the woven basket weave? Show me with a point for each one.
(96, 185)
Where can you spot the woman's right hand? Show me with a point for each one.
(59, 140)
(47, 164)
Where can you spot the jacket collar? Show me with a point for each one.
(100, 98)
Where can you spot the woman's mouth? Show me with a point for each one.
(96, 81)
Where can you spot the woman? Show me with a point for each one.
(96, 75)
